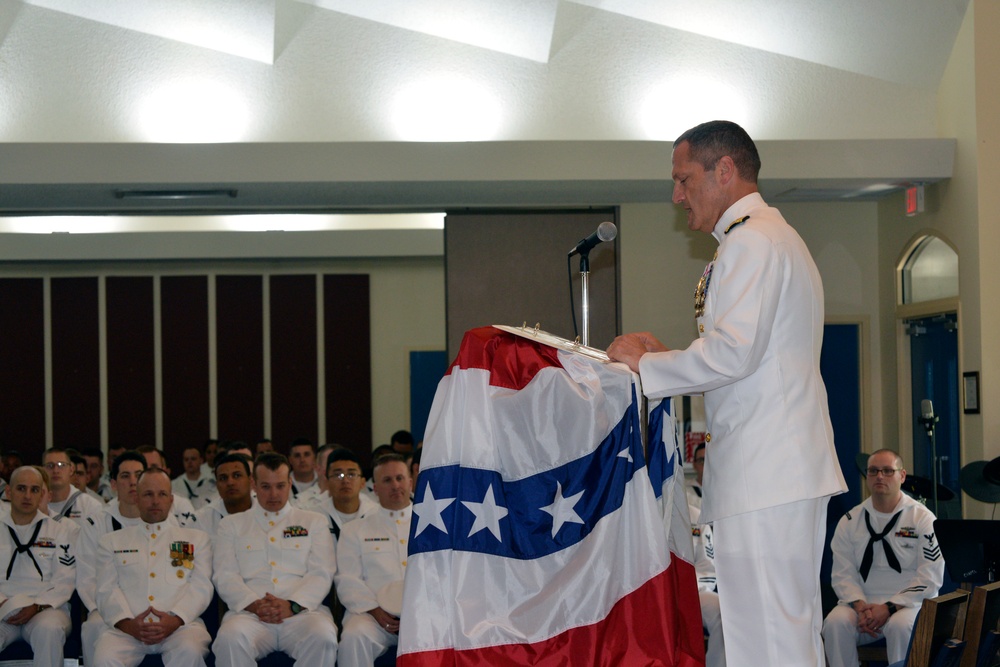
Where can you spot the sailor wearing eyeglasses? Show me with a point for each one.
(343, 501)
(886, 561)
(65, 500)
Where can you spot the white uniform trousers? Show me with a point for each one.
(767, 566)
(90, 632)
(186, 647)
(309, 638)
(45, 633)
(363, 640)
(711, 618)
(841, 637)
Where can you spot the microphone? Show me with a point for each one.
(927, 418)
(606, 231)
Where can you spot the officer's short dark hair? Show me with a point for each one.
(301, 442)
(128, 455)
(342, 454)
(272, 461)
(233, 457)
(711, 141)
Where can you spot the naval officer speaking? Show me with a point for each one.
(770, 464)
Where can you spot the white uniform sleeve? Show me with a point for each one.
(226, 569)
(745, 284)
(320, 567)
(930, 570)
(64, 569)
(845, 576)
(352, 590)
(86, 569)
(111, 600)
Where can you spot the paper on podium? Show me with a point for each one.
(552, 340)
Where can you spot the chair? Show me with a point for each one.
(873, 653)
(935, 641)
(982, 627)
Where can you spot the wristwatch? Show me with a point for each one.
(296, 607)
(891, 607)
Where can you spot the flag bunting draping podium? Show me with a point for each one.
(537, 537)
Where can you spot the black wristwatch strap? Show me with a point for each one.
(891, 607)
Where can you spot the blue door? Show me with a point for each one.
(934, 369)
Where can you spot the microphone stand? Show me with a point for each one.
(931, 428)
(585, 296)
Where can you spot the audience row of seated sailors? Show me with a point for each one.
(146, 566)
(886, 561)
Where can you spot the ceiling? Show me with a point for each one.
(80, 76)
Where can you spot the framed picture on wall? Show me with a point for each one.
(970, 393)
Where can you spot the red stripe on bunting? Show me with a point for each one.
(658, 625)
(511, 360)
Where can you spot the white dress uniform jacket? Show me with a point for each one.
(912, 540)
(311, 498)
(209, 516)
(108, 521)
(45, 574)
(154, 565)
(160, 565)
(290, 555)
(757, 362)
(921, 574)
(371, 553)
(78, 506)
(198, 492)
(337, 520)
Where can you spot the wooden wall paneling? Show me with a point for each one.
(294, 405)
(347, 317)
(509, 267)
(131, 361)
(184, 335)
(22, 365)
(240, 357)
(76, 404)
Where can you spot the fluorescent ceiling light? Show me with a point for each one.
(292, 222)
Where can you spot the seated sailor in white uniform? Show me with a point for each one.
(40, 554)
(154, 582)
(274, 565)
(886, 561)
(371, 554)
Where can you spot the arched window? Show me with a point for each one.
(930, 272)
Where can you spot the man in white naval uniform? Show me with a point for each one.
(183, 510)
(770, 461)
(692, 487)
(372, 561)
(708, 595)
(315, 495)
(121, 512)
(233, 481)
(40, 554)
(193, 484)
(343, 501)
(302, 459)
(154, 581)
(886, 562)
(274, 565)
(65, 500)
